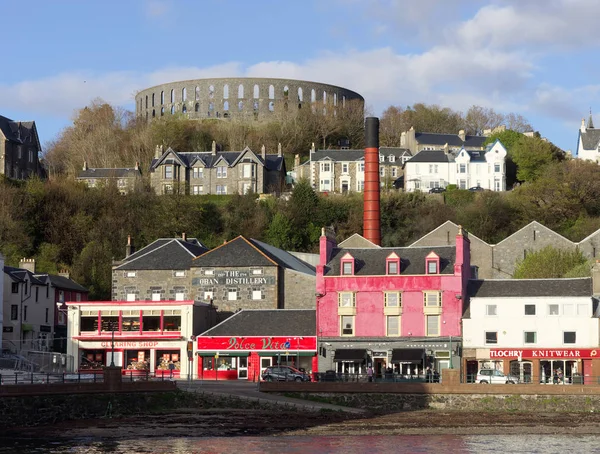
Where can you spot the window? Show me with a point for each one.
(14, 287)
(209, 272)
(432, 267)
(530, 309)
(208, 295)
(179, 273)
(347, 322)
(197, 189)
(172, 320)
(552, 309)
(382, 171)
(325, 167)
(346, 299)
(393, 299)
(462, 168)
(569, 309)
(232, 294)
(433, 325)
(433, 168)
(491, 337)
(130, 320)
(197, 172)
(168, 172)
(393, 325)
(344, 167)
(432, 299)
(221, 189)
(257, 294)
(392, 267)
(130, 297)
(151, 320)
(361, 166)
(381, 158)
(249, 171)
(496, 167)
(130, 274)
(47, 314)
(583, 309)
(530, 337)
(569, 337)
(155, 295)
(179, 296)
(221, 172)
(109, 320)
(257, 271)
(491, 309)
(88, 321)
(394, 172)
(14, 312)
(346, 268)
(37, 294)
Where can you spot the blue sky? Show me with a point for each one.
(535, 58)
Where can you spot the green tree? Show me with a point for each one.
(531, 156)
(550, 262)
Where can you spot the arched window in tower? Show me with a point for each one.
(162, 111)
(241, 106)
(286, 92)
(172, 95)
(172, 110)
(146, 101)
(271, 92)
(299, 94)
(343, 101)
(211, 108)
(241, 92)
(271, 106)
(226, 106)
(324, 97)
(256, 92)
(211, 91)
(313, 95)
(197, 93)
(197, 107)
(184, 108)
(335, 99)
(184, 94)
(162, 97)
(153, 113)
(153, 99)
(225, 91)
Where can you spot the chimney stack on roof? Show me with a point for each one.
(65, 273)
(158, 151)
(462, 135)
(279, 150)
(27, 264)
(312, 148)
(296, 160)
(183, 236)
(263, 152)
(214, 148)
(129, 249)
(85, 167)
(137, 165)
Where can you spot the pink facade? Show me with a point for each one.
(369, 293)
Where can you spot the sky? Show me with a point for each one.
(531, 57)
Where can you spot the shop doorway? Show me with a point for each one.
(472, 367)
(379, 367)
(522, 369)
(264, 363)
(243, 367)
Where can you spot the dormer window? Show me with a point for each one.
(381, 158)
(347, 265)
(392, 158)
(432, 263)
(392, 264)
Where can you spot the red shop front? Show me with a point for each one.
(245, 358)
(548, 365)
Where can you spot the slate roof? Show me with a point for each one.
(267, 322)
(590, 138)
(164, 254)
(109, 173)
(237, 252)
(430, 156)
(19, 131)
(61, 282)
(530, 287)
(19, 275)
(272, 162)
(284, 258)
(359, 155)
(453, 140)
(371, 262)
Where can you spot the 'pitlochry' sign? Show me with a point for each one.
(233, 277)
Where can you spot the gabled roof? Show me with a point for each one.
(357, 241)
(372, 262)
(530, 287)
(452, 140)
(358, 155)
(268, 322)
(20, 131)
(164, 254)
(238, 252)
(452, 240)
(590, 138)
(541, 227)
(284, 258)
(109, 173)
(21, 274)
(61, 282)
(187, 159)
(430, 156)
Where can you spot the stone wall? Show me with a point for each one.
(299, 290)
(146, 282)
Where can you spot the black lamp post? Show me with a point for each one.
(112, 346)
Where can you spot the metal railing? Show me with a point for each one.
(528, 379)
(38, 378)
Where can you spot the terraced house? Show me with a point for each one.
(217, 172)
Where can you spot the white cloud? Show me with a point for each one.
(156, 9)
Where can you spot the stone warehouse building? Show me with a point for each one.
(343, 171)
(498, 261)
(239, 98)
(217, 172)
(19, 149)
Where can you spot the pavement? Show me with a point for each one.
(249, 390)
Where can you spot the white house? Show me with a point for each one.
(588, 141)
(465, 168)
(531, 328)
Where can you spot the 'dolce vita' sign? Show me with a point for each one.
(566, 353)
(258, 343)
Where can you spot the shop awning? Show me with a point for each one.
(213, 354)
(408, 355)
(350, 354)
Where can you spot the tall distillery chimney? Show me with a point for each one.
(371, 214)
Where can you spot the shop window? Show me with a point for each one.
(393, 325)
(232, 294)
(172, 320)
(109, 320)
(491, 309)
(530, 337)
(530, 309)
(433, 325)
(569, 337)
(552, 309)
(92, 359)
(164, 358)
(130, 320)
(346, 299)
(393, 299)
(347, 325)
(151, 320)
(491, 337)
(88, 322)
(137, 360)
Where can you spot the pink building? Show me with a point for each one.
(397, 309)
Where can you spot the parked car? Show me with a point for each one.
(476, 188)
(437, 190)
(495, 376)
(284, 373)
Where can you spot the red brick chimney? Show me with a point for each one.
(371, 211)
